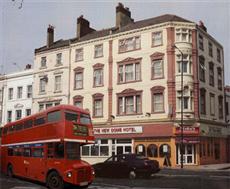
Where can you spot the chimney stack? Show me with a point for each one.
(83, 27)
(202, 26)
(123, 16)
(50, 36)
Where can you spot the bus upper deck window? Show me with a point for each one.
(71, 116)
(85, 119)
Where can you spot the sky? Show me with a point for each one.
(22, 29)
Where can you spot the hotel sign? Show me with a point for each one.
(118, 130)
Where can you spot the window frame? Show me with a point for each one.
(10, 93)
(43, 62)
(211, 74)
(97, 97)
(125, 41)
(98, 67)
(77, 51)
(57, 84)
(202, 68)
(58, 59)
(95, 50)
(153, 38)
(156, 91)
(203, 95)
(129, 93)
(78, 70)
(122, 64)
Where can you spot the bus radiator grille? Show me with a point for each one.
(83, 175)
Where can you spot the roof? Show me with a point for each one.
(106, 32)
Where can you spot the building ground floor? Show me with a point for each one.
(159, 141)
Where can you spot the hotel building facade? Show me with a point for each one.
(129, 79)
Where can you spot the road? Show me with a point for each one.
(170, 179)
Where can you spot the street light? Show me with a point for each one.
(182, 108)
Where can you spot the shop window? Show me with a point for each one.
(95, 150)
(165, 150)
(140, 150)
(152, 150)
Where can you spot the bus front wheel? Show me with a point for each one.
(54, 181)
(10, 172)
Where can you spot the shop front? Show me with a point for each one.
(150, 140)
(190, 147)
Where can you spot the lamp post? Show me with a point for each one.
(182, 108)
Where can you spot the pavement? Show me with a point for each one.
(210, 167)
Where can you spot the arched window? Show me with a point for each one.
(140, 149)
(165, 150)
(152, 150)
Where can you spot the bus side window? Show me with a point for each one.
(27, 152)
(28, 124)
(38, 152)
(39, 121)
(50, 148)
(17, 151)
(18, 127)
(59, 150)
(11, 129)
(10, 151)
(5, 130)
(54, 116)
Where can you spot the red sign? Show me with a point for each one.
(188, 130)
(188, 140)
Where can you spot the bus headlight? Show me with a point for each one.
(69, 174)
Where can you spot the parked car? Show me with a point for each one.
(126, 165)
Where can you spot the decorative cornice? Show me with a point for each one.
(98, 65)
(157, 56)
(129, 59)
(78, 69)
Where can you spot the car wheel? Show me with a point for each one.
(132, 174)
(54, 181)
(10, 171)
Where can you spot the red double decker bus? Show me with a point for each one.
(46, 147)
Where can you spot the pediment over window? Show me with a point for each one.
(98, 65)
(157, 89)
(77, 69)
(129, 92)
(78, 97)
(130, 59)
(97, 95)
(157, 56)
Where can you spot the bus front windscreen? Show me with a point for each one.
(73, 150)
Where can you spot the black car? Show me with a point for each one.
(126, 165)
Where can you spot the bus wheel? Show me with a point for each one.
(10, 172)
(54, 181)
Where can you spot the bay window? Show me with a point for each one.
(183, 35)
(187, 64)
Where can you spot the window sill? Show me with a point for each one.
(129, 114)
(96, 86)
(57, 91)
(58, 65)
(185, 74)
(98, 56)
(41, 93)
(160, 112)
(78, 60)
(121, 83)
(78, 88)
(156, 78)
(97, 116)
(157, 45)
(120, 52)
(44, 67)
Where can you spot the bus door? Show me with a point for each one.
(37, 164)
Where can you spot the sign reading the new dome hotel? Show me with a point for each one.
(118, 130)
